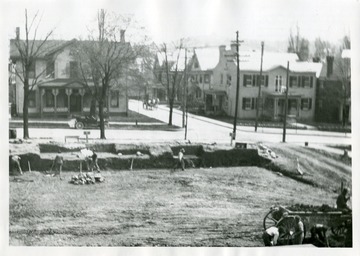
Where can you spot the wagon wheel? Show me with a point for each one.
(271, 219)
(289, 224)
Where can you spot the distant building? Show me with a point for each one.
(59, 91)
(333, 90)
(215, 73)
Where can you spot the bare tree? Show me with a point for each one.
(29, 51)
(343, 66)
(169, 74)
(298, 45)
(322, 49)
(105, 58)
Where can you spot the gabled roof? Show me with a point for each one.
(172, 59)
(50, 46)
(251, 61)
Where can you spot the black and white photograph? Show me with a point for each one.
(180, 127)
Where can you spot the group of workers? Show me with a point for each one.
(318, 231)
(91, 161)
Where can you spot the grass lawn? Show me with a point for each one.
(198, 207)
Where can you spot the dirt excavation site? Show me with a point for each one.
(221, 200)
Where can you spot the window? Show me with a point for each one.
(249, 103)
(278, 83)
(221, 79)
(306, 104)
(321, 84)
(32, 99)
(306, 81)
(247, 80)
(200, 79)
(74, 69)
(293, 81)
(114, 100)
(263, 81)
(206, 78)
(228, 80)
(50, 69)
(49, 98)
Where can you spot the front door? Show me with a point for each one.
(75, 101)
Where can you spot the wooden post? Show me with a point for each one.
(86, 134)
(286, 101)
(259, 84)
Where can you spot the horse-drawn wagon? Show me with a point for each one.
(280, 216)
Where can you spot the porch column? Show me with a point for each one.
(275, 107)
(298, 103)
(55, 92)
(82, 93)
(42, 92)
(68, 93)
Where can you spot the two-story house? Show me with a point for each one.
(220, 92)
(58, 90)
(301, 84)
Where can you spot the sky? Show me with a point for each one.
(166, 21)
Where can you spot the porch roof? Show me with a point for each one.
(282, 95)
(215, 92)
(62, 83)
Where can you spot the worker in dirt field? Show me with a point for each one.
(15, 163)
(298, 235)
(341, 201)
(58, 163)
(94, 162)
(271, 235)
(318, 235)
(180, 161)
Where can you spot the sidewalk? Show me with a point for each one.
(64, 122)
(262, 129)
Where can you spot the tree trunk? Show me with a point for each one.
(101, 116)
(171, 104)
(93, 106)
(26, 110)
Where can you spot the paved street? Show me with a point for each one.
(200, 129)
(209, 130)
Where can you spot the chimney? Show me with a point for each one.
(330, 64)
(122, 36)
(17, 33)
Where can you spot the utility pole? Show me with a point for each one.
(233, 137)
(184, 92)
(259, 84)
(185, 95)
(286, 101)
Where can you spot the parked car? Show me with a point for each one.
(80, 122)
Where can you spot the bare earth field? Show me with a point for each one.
(198, 207)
